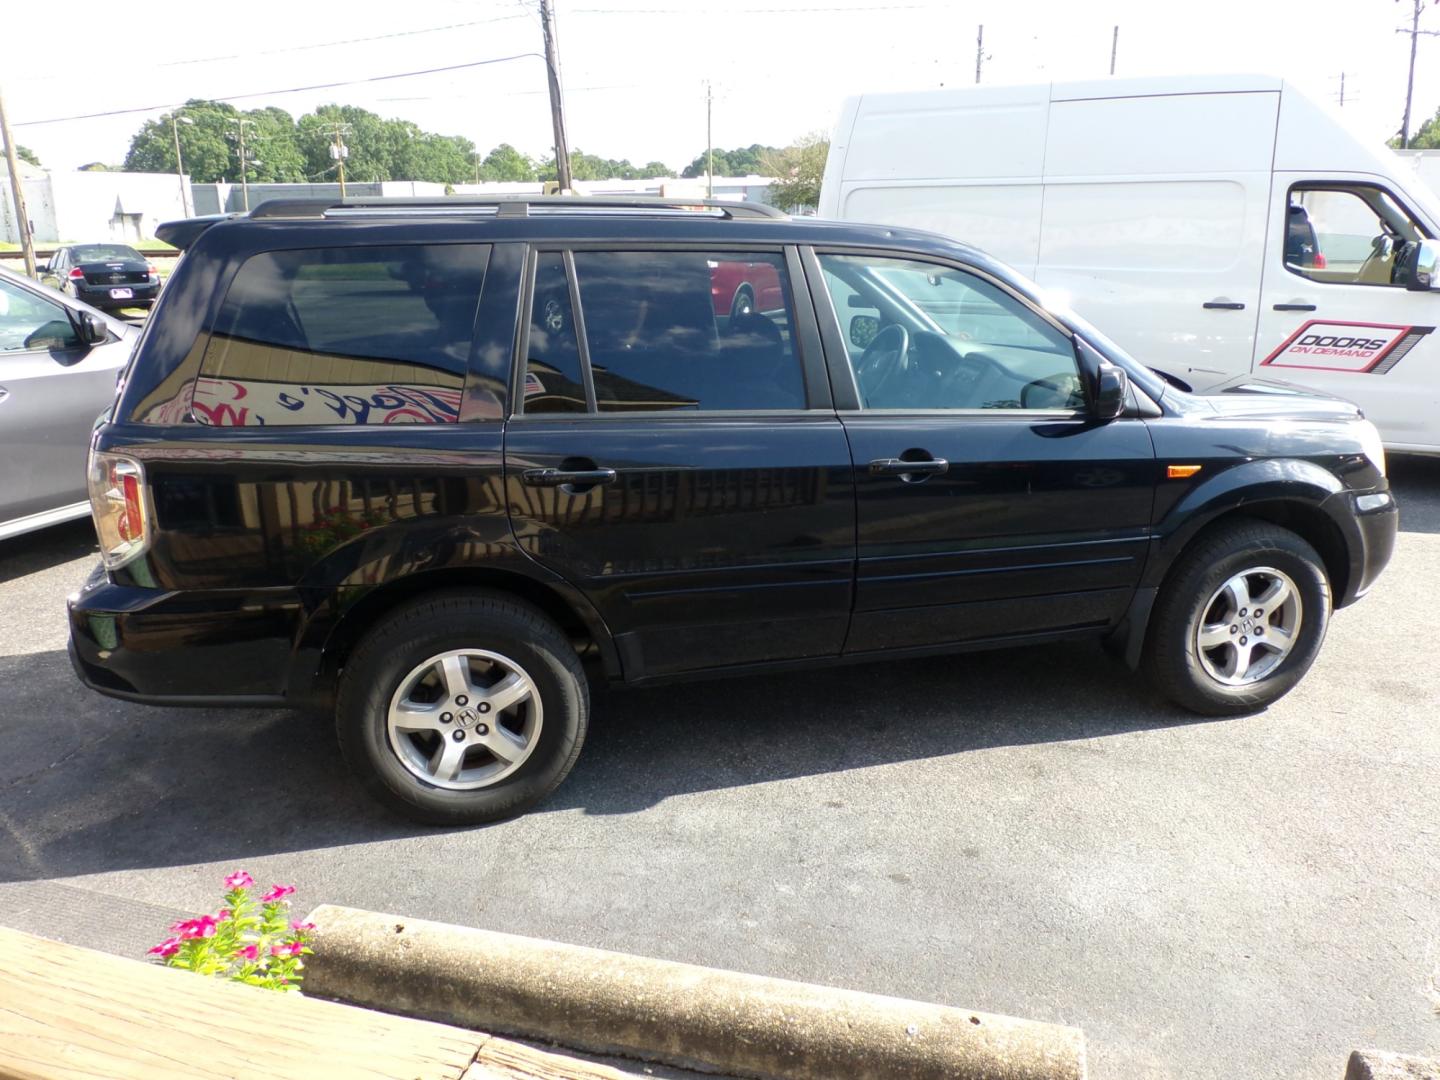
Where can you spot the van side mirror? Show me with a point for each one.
(1423, 269)
(1112, 388)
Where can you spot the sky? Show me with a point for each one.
(635, 71)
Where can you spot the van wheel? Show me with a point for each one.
(1240, 621)
(462, 708)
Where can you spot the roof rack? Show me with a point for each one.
(511, 206)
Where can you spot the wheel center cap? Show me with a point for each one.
(466, 717)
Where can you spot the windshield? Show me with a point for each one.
(104, 253)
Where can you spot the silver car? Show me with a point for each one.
(59, 361)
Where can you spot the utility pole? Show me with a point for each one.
(979, 51)
(339, 151)
(17, 188)
(709, 146)
(1114, 48)
(557, 104)
(1342, 89)
(175, 121)
(241, 123)
(1414, 33)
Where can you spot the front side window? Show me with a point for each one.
(924, 336)
(1348, 235)
(690, 330)
(31, 323)
(375, 335)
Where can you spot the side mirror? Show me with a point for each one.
(1423, 267)
(1112, 388)
(92, 328)
(863, 329)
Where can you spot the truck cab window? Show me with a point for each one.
(1347, 235)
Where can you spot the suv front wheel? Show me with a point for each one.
(1240, 620)
(462, 708)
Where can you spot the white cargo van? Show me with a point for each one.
(1213, 225)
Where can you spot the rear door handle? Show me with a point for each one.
(1294, 307)
(1224, 305)
(561, 477)
(890, 466)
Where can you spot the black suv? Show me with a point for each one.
(442, 465)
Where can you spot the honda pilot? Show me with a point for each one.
(443, 466)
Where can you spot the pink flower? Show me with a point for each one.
(249, 952)
(168, 947)
(288, 948)
(222, 914)
(202, 927)
(302, 927)
(238, 880)
(277, 892)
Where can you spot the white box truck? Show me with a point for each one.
(1213, 225)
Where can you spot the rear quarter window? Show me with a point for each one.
(374, 335)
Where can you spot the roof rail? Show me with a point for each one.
(510, 206)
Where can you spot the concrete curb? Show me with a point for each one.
(1382, 1065)
(615, 1003)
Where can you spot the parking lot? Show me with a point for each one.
(1028, 832)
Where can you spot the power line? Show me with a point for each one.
(336, 44)
(289, 90)
(754, 10)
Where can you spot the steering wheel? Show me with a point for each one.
(881, 359)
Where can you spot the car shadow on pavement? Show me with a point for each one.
(95, 785)
(40, 550)
(1415, 480)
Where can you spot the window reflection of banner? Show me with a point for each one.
(245, 402)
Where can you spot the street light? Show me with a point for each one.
(175, 122)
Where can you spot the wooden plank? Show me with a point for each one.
(501, 1059)
(74, 1014)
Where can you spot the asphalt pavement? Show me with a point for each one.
(1029, 832)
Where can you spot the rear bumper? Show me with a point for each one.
(167, 648)
(99, 295)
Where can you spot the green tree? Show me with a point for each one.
(25, 154)
(742, 161)
(273, 145)
(797, 170)
(507, 163)
(1427, 137)
(654, 170)
(204, 143)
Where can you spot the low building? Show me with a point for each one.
(66, 207)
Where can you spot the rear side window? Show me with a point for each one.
(553, 382)
(668, 330)
(375, 335)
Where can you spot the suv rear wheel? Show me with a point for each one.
(1240, 621)
(462, 708)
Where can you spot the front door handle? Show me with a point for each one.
(1294, 307)
(891, 466)
(561, 477)
(1223, 305)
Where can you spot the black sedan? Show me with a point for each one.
(107, 276)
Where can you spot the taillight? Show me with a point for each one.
(77, 273)
(152, 270)
(117, 501)
(1319, 260)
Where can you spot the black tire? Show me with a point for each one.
(429, 627)
(1172, 657)
(743, 303)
